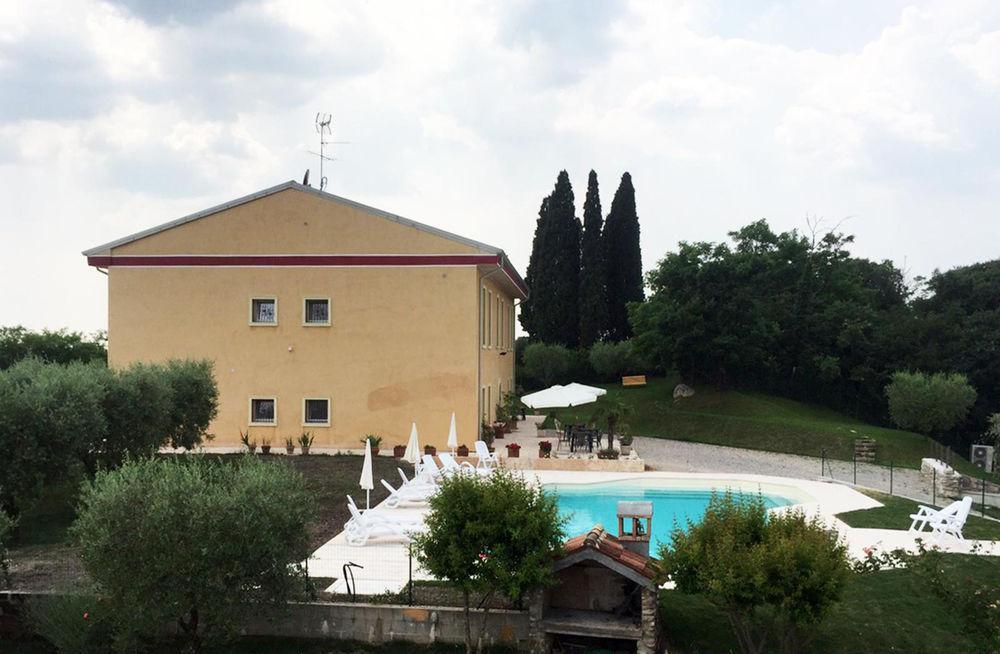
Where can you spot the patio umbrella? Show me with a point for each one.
(561, 396)
(583, 388)
(452, 434)
(367, 483)
(412, 454)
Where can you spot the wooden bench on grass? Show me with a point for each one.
(634, 380)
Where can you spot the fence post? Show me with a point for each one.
(890, 476)
(982, 499)
(934, 487)
(409, 586)
(822, 462)
(855, 467)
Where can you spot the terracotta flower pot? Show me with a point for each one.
(265, 449)
(399, 451)
(430, 449)
(463, 450)
(374, 451)
(513, 452)
(289, 449)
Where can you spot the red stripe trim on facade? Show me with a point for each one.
(208, 260)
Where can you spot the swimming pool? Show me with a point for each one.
(585, 505)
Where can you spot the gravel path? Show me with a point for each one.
(683, 456)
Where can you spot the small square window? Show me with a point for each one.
(317, 311)
(262, 411)
(316, 411)
(263, 311)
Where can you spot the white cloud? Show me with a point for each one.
(116, 116)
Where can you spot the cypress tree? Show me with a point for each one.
(593, 298)
(551, 313)
(622, 260)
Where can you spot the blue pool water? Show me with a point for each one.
(585, 505)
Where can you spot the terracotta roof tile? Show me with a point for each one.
(600, 540)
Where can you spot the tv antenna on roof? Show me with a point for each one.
(324, 129)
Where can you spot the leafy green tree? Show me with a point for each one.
(612, 412)
(929, 403)
(593, 296)
(776, 576)
(779, 312)
(956, 330)
(548, 364)
(489, 535)
(622, 260)
(551, 313)
(60, 346)
(194, 542)
(53, 418)
(610, 361)
(138, 403)
(195, 401)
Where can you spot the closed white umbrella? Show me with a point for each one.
(452, 434)
(412, 454)
(367, 483)
(560, 396)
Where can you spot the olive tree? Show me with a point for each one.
(195, 401)
(548, 363)
(928, 403)
(776, 576)
(193, 541)
(7, 525)
(488, 535)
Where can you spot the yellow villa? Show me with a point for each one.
(320, 314)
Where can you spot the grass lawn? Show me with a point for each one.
(43, 559)
(756, 421)
(895, 514)
(885, 611)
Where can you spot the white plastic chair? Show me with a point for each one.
(487, 460)
(422, 478)
(452, 467)
(947, 521)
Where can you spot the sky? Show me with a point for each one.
(880, 117)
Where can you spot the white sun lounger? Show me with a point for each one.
(423, 477)
(363, 527)
(411, 494)
(453, 467)
(947, 521)
(487, 460)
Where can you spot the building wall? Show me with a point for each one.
(496, 344)
(403, 344)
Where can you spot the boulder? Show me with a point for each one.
(682, 390)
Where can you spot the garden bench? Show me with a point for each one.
(634, 380)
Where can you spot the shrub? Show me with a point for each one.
(52, 420)
(17, 343)
(610, 361)
(548, 364)
(7, 525)
(194, 542)
(70, 622)
(776, 576)
(929, 403)
(468, 541)
(138, 403)
(195, 401)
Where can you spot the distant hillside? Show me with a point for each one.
(757, 421)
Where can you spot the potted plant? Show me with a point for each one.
(375, 440)
(626, 443)
(430, 449)
(513, 450)
(487, 437)
(251, 445)
(305, 442)
(502, 416)
(265, 446)
(399, 451)
(512, 408)
(498, 430)
(289, 446)
(463, 450)
(608, 453)
(544, 449)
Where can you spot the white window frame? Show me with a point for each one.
(305, 313)
(329, 410)
(482, 317)
(272, 298)
(489, 319)
(250, 420)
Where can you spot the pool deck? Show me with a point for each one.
(387, 563)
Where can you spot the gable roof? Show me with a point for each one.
(483, 247)
(600, 546)
(94, 253)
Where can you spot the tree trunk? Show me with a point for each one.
(485, 604)
(190, 629)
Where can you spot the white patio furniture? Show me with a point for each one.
(452, 467)
(947, 521)
(487, 460)
(415, 494)
(368, 525)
